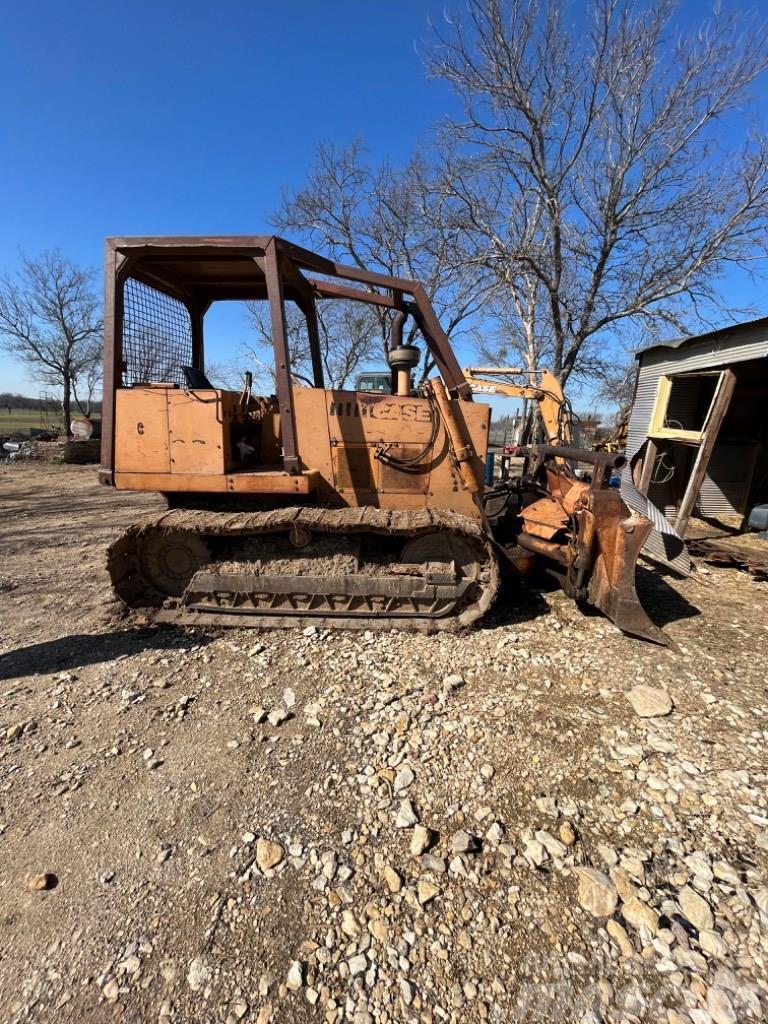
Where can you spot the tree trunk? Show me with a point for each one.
(66, 403)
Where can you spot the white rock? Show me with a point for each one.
(406, 815)
(547, 805)
(720, 1006)
(349, 924)
(553, 846)
(198, 974)
(403, 779)
(649, 701)
(712, 943)
(723, 870)
(111, 990)
(295, 978)
(420, 840)
(357, 965)
(239, 1008)
(289, 697)
(464, 842)
(426, 891)
(392, 878)
(453, 682)
(495, 833)
(597, 893)
(534, 852)
(695, 909)
(639, 914)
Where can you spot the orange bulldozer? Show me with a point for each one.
(315, 505)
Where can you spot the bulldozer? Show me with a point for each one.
(315, 505)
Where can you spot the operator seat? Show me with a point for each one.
(196, 379)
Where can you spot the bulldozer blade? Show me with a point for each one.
(619, 541)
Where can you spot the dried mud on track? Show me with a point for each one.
(315, 826)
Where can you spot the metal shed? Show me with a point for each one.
(698, 430)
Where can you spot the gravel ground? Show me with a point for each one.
(538, 820)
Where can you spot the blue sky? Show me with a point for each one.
(192, 117)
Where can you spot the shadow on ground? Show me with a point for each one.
(518, 600)
(80, 649)
(662, 602)
(522, 600)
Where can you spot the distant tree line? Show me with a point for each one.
(9, 399)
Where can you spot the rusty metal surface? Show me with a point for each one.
(405, 466)
(274, 280)
(599, 541)
(544, 518)
(620, 539)
(614, 460)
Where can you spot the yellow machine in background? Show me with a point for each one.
(553, 407)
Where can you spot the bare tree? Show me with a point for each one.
(388, 219)
(50, 319)
(587, 173)
(349, 335)
(89, 380)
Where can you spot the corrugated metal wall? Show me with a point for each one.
(723, 491)
(728, 466)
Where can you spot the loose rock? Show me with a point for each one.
(406, 815)
(268, 854)
(38, 883)
(421, 840)
(464, 842)
(295, 978)
(649, 701)
(597, 893)
(695, 909)
(426, 891)
(198, 974)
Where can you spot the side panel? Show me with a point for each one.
(141, 430)
(312, 441)
(196, 431)
(339, 433)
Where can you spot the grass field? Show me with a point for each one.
(22, 420)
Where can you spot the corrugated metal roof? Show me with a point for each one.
(721, 333)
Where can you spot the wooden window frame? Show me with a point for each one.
(658, 431)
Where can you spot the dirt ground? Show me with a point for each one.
(428, 829)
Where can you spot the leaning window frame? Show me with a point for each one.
(657, 430)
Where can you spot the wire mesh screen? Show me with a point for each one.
(157, 335)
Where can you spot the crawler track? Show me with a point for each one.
(359, 568)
